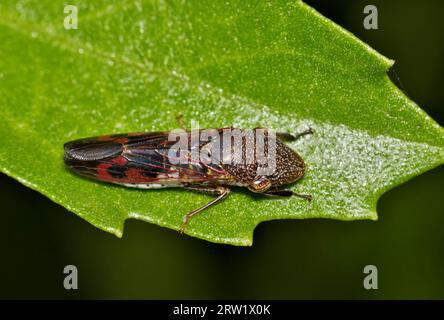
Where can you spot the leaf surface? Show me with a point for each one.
(135, 65)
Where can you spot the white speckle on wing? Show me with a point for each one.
(145, 186)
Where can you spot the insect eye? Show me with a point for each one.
(260, 185)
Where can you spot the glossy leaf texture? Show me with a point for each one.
(135, 65)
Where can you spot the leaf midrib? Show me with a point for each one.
(60, 42)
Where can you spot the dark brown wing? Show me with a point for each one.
(140, 158)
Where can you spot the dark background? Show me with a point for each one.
(289, 259)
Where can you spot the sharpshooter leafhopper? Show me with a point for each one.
(204, 160)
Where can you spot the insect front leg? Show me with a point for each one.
(221, 192)
(287, 193)
(285, 136)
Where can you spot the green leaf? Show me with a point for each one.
(135, 65)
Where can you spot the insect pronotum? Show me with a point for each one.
(210, 163)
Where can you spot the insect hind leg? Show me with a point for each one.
(221, 192)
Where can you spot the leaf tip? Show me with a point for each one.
(389, 62)
(117, 232)
(373, 216)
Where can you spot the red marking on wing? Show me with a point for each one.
(102, 171)
(104, 138)
(121, 161)
(135, 175)
(121, 140)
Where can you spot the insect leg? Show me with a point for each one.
(180, 121)
(289, 137)
(287, 193)
(221, 192)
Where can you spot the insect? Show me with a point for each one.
(153, 160)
